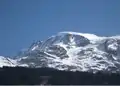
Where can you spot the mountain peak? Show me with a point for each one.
(87, 35)
(74, 51)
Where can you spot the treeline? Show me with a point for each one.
(48, 76)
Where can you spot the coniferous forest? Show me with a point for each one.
(48, 76)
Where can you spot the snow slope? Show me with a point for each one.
(74, 51)
(6, 62)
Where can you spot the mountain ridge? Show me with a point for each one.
(74, 51)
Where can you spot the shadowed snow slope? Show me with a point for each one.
(73, 51)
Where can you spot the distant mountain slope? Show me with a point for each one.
(73, 51)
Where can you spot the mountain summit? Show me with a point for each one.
(73, 51)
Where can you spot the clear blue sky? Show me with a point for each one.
(24, 21)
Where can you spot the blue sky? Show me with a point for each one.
(25, 21)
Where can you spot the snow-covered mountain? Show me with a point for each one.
(72, 51)
(7, 62)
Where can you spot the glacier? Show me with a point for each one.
(71, 51)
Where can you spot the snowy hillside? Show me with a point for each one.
(6, 62)
(73, 51)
